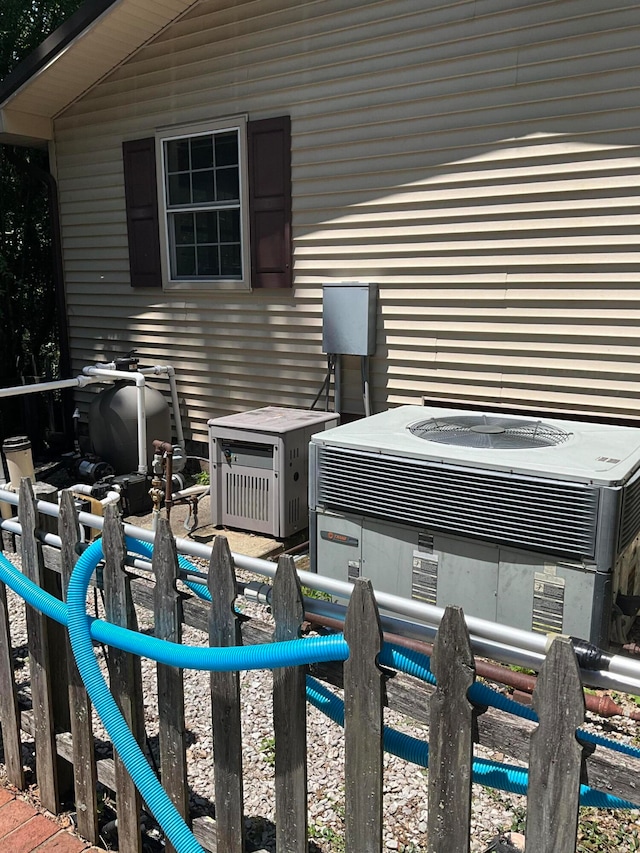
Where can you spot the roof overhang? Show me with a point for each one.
(94, 41)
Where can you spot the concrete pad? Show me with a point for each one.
(240, 542)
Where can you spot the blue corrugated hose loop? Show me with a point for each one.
(82, 629)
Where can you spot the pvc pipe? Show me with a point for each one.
(142, 426)
(17, 390)
(112, 497)
(175, 402)
(366, 391)
(98, 373)
(487, 638)
(12, 525)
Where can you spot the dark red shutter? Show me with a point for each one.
(270, 202)
(140, 187)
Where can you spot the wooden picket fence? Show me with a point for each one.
(60, 718)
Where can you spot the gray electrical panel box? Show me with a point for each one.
(349, 318)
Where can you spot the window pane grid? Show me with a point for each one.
(202, 170)
(202, 176)
(204, 245)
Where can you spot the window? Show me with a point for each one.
(209, 206)
(205, 206)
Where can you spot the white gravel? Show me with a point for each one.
(405, 785)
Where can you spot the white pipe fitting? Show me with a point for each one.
(112, 497)
(138, 376)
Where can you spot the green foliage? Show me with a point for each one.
(308, 592)
(27, 298)
(268, 750)
(594, 837)
(599, 831)
(25, 24)
(519, 820)
(327, 833)
(203, 478)
(523, 669)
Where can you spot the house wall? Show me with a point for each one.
(479, 161)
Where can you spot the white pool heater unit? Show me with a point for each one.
(529, 522)
(259, 465)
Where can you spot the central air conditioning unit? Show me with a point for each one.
(529, 523)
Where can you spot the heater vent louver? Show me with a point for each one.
(247, 497)
(534, 513)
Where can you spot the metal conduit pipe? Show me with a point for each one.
(604, 706)
(490, 649)
(489, 639)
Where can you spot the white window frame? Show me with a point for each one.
(163, 135)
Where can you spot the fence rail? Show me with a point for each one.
(61, 722)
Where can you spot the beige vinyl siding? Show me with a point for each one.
(479, 161)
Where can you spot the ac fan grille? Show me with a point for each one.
(491, 432)
(536, 514)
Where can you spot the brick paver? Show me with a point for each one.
(13, 814)
(29, 836)
(63, 843)
(24, 830)
(5, 796)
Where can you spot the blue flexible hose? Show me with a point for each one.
(80, 634)
(265, 656)
(82, 629)
(132, 756)
(419, 665)
(491, 774)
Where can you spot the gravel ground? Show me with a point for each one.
(405, 785)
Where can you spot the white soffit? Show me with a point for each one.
(105, 44)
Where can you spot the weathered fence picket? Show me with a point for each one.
(451, 737)
(556, 756)
(363, 703)
(9, 711)
(289, 716)
(168, 626)
(224, 630)
(84, 763)
(124, 676)
(39, 661)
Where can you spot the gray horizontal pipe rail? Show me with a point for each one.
(52, 539)
(485, 635)
(38, 387)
